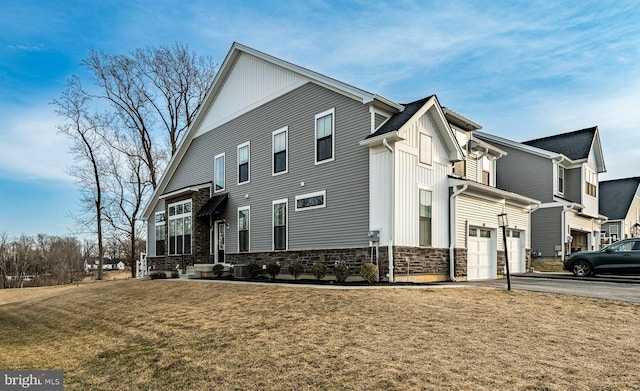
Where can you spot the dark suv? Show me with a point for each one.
(619, 258)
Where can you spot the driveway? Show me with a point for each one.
(603, 287)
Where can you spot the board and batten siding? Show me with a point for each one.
(380, 190)
(526, 174)
(343, 223)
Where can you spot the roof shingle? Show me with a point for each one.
(616, 197)
(574, 145)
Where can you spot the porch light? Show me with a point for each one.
(503, 222)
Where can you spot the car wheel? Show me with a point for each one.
(581, 268)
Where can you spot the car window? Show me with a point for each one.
(624, 246)
(636, 246)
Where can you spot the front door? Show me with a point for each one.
(219, 242)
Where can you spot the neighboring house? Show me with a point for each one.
(107, 264)
(620, 202)
(283, 164)
(562, 172)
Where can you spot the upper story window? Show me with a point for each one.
(243, 163)
(325, 136)
(591, 183)
(560, 179)
(160, 218)
(280, 159)
(487, 166)
(180, 228)
(426, 149)
(218, 173)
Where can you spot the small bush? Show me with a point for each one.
(273, 269)
(295, 269)
(341, 272)
(319, 270)
(157, 275)
(218, 270)
(254, 270)
(174, 274)
(369, 272)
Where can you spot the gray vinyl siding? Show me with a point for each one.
(523, 173)
(379, 119)
(545, 230)
(343, 223)
(573, 185)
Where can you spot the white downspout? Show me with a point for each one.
(453, 218)
(393, 208)
(563, 232)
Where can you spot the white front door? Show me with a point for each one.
(515, 245)
(480, 264)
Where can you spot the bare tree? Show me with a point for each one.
(64, 259)
(83, 128)
(5, 256)
(23, 255)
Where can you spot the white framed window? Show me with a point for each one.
(160, 225)
(280, 220)
(244, 224)
(613, 230)
(218, 173)
(425, 229)
(180, 228)
(244, 152)
(279, 142)
(311, 200)
(325, 136)
(591, 182)
(426, 149)
(560, 179)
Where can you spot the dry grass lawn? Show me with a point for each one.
(176, 335)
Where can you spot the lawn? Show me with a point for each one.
(178, 335)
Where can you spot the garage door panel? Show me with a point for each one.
(479, 259)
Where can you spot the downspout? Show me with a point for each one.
(564, 234)
(393, 208)
(453, 218)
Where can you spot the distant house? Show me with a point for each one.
(562, 172)
(108, 264)
(620, 202)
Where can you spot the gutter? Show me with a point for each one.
(452, 229)
(393, 208)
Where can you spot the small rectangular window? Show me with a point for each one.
(426, 149)
(311, 201)
(425, 218)
(218, 176)
(560, 179)
(160, 233)
(280, 225)
(243, 229)
(243, 163)
(591, 183)
(280, 159)
(325, 140)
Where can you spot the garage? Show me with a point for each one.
(515, 245)
(481, 264)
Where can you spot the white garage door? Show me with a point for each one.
(515, 244)
(480, 264)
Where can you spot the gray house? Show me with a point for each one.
(562, 172)
(620, 202)
(284, 164)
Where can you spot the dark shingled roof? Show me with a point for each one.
(574, 145)
(616, 197)
(399, 119)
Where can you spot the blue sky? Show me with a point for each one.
(521, 69)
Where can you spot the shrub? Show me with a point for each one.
(295, 269)
(254, 270)
(369, 272)
(341, 272)
(273, 269)
(158, 274)
(174, 274)
(319, 270)
(218, 270)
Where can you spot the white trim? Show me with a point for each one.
(430, 190)
(331, 112)
(323, 193)
(429, 163)
(192, 189)
(157, 224)
(224, 172)
(180, 216)
(286, 223)
(556, 178)
(286, 141)
(248, 209)
(248, 145)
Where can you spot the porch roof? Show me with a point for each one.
(214, 206)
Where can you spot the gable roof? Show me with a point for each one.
(616, 197)
(575, 145)
(396, 121)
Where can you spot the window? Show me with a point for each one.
(426, 145)
(487, 166)
(180, 228)
(613, 230)
(280, 225)
(311, 201)
(591, 183)
(243, 163)
(160, 234)
(279, 142)
(324, 136)
(560, 179)
(243, 229)
(218, 175)
(425, 218)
